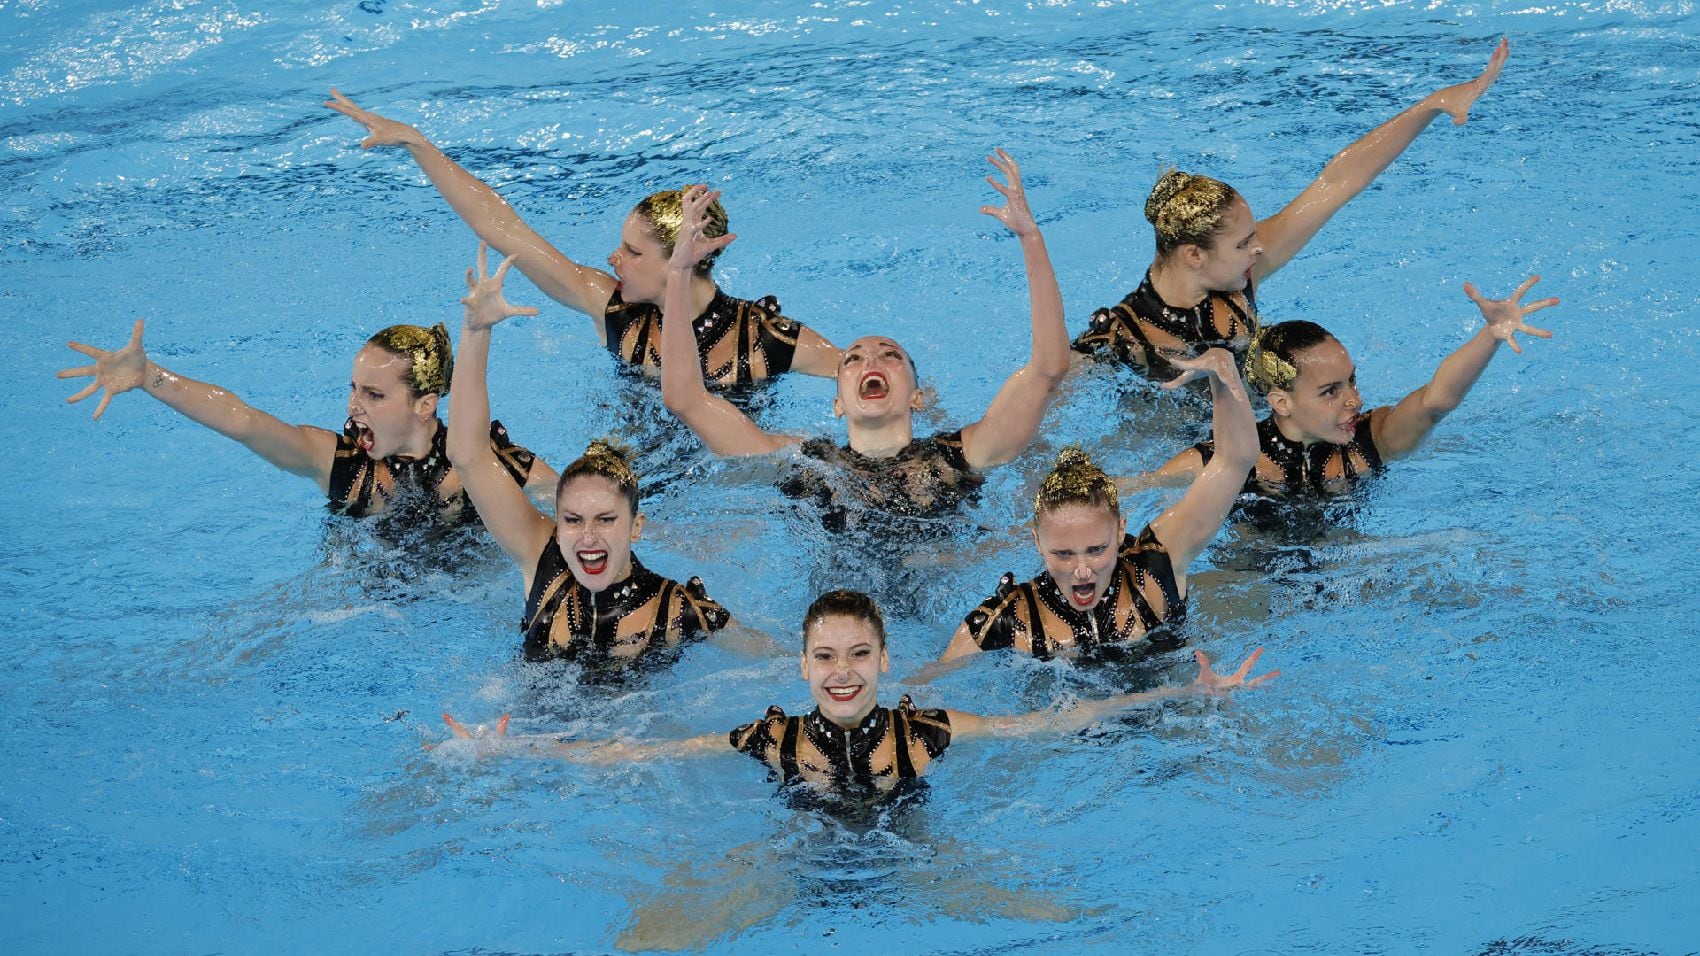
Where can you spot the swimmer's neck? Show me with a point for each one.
(703, 291)
(418, 444)
(881, 439)
(1176, 285)
(1292, 434)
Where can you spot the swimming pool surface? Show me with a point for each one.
(1485, 739)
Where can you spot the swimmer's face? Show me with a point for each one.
(640, 263)
(383, 411)
(595, 527)
(1079, 543)
(843, 659)
(1323, 403)
(876, 379)
(1235, 249)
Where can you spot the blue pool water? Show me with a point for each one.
(1484, 740)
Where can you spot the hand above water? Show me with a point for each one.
(1505, 316)
(485, 305)
(384, 131)
(692, 246)
(1014, 213)
(1213, 682)
(1456, 100)
(117, 372)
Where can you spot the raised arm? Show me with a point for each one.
(573, 285)
(298, 449)
(1399, 430)
(1013, 418)
(513, 520)
(1086, 713)
(721, 426)
(1356, 166)
(1191, 522)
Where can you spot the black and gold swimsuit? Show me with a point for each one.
(642, 616)
(739, 341)
(890, 745)
(1290, 469)
(927, 477)
(361, 485)
(1142, 330)
(1037, 618)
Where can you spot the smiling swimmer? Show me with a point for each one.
(1318, 441)
(737, 341)
(1212, 254)
(390, 457)
(588, 598)
(848, 740)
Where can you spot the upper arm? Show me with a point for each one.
(1286, 232)
(1189, 524)
(815, 355)
(1177, 472)
(1397, 431)
(1011, 420)
(725, 429)
(505, 509)
(572, 284)
(303, 450)
(962, 644)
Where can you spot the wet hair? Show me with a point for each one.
(1075, 480)
(430, 355)
(851, 604)
(1272, 360)
(606, 460)
(1187, 210)
(664, 213)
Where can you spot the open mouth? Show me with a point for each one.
(873, 386)
(361, 435)
(843, 695)
(1350, 425)
(593, 562)
(1083, 595)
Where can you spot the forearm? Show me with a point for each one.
(204, 404)
(1458, 374)
(682, 386)
(1050, 334)
(1233, 427)
(1355, 167)
(479, 206)
(469, 400)
(1081, 715)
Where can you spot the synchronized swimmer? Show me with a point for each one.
(1213, 254)
(390, 456)
(878, 391)
(737, 341)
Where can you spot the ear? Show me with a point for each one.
(1121, 528)
(1035, 530)
(885, 661)
(921, 398)
(1190, 254)
(837, 407)
(425, 406)
(1280, 402)
(637, 526)
(803, 660)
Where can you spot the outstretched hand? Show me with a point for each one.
(1014, 212)
(692, 246)
(485, 306)
(1211, 681)
(1217, 363)
(384, 131)
(1456, 100)
(117, 372)
(1505, 316)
